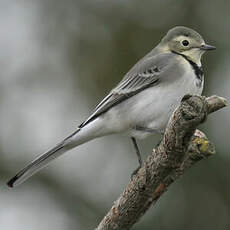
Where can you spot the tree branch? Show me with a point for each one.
(181, 147)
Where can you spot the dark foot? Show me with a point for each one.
(192, 106)
(186, 97)
(158, 143)
(135, 172)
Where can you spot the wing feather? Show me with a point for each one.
(141, 76)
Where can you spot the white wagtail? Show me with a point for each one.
(142, 103)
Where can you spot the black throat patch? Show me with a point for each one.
(197, 69)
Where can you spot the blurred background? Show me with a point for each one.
(60, 58)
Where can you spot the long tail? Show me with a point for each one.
(77, 138)
(36, 165)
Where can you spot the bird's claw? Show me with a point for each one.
(135, 172)
(192, 106)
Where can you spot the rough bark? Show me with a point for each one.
(181, 147)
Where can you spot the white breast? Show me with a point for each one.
(166, 98)
(152, 107)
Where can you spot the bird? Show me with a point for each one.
(143, 101)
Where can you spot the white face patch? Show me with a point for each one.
(194, 54)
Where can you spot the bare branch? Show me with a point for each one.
(181, 147)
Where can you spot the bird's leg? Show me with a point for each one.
(158, 143)
(138, 156)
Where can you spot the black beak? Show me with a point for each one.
(207, 47)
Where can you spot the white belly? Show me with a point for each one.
(152, 107)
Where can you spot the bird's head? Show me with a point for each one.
(185, 41)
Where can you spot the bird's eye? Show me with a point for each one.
(185, 43)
